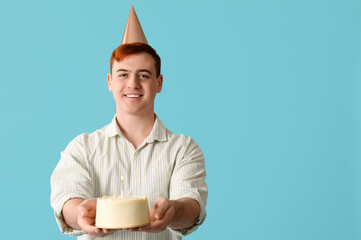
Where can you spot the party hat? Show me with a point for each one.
(133, 31)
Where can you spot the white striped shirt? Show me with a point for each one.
(164, 165)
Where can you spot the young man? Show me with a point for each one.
(169, 169)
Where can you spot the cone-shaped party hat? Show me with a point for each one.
(133, 31)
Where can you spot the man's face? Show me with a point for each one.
(134, 84)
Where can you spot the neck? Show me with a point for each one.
(136, 128)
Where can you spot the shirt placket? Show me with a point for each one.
(136, 172)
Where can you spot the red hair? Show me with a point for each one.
(128, 49)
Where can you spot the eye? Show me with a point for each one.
(143, 76)
(122, 75)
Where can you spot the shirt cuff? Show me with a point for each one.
(65, 228)
(58, 207)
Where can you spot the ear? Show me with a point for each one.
(160, 83)
(109, 77)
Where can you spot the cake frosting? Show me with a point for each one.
(121, 212)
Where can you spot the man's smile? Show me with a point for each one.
(133, 95)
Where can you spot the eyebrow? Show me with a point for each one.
(140, 70)
(145, 70)
(122, 70)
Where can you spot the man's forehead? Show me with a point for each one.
(135, 61)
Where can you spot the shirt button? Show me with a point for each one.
(136, 175)
(136, 153)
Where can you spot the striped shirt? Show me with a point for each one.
(164, 165)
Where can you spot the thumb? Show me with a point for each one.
(160, 207)
(82, 211)
(86, 207)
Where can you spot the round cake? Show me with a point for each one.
(122, 212)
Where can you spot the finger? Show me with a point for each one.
(108, 231)
(90, 229)
(111, 231)
(168, 216)
(87, 208)
(162, 206)
(155, 227)
(88, 204)
(133, 229)
(87, 225)
(151, 214)
(155, 204)
(151, 227)
(82, 210)
(85, 214)
(161, 224)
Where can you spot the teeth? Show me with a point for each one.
(133, 96)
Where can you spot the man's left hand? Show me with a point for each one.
(161, 216)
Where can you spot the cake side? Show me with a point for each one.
(122, 212)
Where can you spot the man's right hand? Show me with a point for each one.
(80, 214)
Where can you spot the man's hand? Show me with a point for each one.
(176, 214)
(80, 214)
(161, 215)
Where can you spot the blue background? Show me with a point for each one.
(270, 90)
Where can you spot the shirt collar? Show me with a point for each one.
(113, 128)
(158, 133)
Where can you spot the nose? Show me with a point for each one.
(133, 82)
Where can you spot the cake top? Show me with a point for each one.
(121, 198)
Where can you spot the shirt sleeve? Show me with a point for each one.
(70, 179)
(188, 181)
